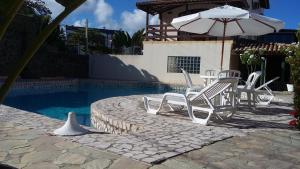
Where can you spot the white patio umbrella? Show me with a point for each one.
(227, 21)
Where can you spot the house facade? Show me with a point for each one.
(166, 50)
(167, 10)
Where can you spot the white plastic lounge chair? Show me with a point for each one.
(249, 88)
(263, 93)
(229, 74)
(204, 101)
(190, 86)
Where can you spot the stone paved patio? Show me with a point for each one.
(24, 143)
(157, 137)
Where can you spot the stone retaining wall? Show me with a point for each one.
(111, 125)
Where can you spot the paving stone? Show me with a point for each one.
(21, 150)
(42, 166)
(86, 140)
(3, 155)
(38, 157)
(71, 167)
(150, 152)
(160, 167)
(140, 156)
(66, 145)
(127, 164)
(278, 164)
(84, 151)
(100, 145)
(149, 160)
(70, 158)
(9, 144)
(44, 143)
(180, 164)
(97, 164)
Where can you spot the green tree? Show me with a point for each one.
(251, 58)
(57, 39)
(120, 40)
(9, 12)
(34, 7)
(292, 53)
(138, 38)
(76, 38)
(123, 40)
(96, 41)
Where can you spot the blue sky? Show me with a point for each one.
(286, 10)
(122, 14)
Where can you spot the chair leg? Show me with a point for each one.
(199, 120)
(249, 98)
(187, 91)
(239, 95)
(269, 96)
(148, 108)
(253, 99)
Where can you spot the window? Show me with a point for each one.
(189, 63)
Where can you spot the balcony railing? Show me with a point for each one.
(167, 32)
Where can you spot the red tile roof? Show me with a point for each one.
(270, 48)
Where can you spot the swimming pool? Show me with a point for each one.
(76, 98)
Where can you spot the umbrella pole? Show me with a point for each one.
(223, 41)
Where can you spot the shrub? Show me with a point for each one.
(293, 58)
(251, 58)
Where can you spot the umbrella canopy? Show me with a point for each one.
(227, 21)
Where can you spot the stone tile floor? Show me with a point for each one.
(172, 133)
(24, 147)
(24, 143)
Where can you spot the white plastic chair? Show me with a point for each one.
(203, 101)
(249, 88)
(190, 86)
(229, 74)
(264, 94)
(211, 73)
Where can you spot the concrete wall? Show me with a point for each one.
(152, 65)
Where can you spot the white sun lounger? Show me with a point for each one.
(207, 100)
(190, 86)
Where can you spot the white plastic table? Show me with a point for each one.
(208, 79)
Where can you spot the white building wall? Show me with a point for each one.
(251, 7)
(152, 65)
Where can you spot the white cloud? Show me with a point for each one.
(154, 20)
(80, 23)
(54, 7)
(103, 14)
(133, 21)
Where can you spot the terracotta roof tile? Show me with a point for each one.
(268, 47)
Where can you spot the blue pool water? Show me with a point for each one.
(57, 105)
